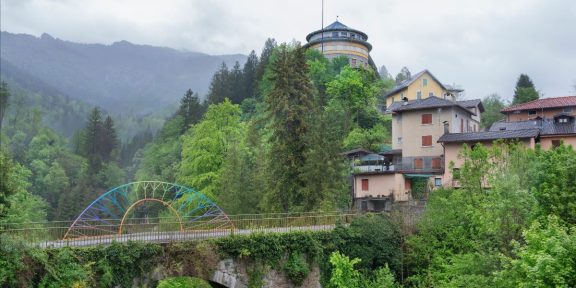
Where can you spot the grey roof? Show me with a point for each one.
(392, 152)
(488, 135)
(404, 84)
(427, 103)
(336, 25)
(472, 103)
(545, 126)
(357, 151)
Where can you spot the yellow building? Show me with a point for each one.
(421, 86)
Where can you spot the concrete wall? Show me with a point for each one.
(546, 142)
(411, 91)
(385, 185)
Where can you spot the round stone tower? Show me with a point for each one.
(338, 39)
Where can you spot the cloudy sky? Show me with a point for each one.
(481, 45)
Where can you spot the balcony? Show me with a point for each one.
(424, 164)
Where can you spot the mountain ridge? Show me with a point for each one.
(121, 76)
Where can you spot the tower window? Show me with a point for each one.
(343, 34)
(419, 95)
(335, 34)
(425, 82)
(353, 62)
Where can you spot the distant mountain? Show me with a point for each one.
(122, 77)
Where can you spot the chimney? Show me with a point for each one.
(405, 101)
(446, 127)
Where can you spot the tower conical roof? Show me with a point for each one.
(336, 25)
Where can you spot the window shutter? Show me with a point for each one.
(364, 184)
(418, 163)
(436, 163)
(427, 140)
(426, 118)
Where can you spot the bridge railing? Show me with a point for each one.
(161, 230)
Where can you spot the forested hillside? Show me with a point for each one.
(122, 77)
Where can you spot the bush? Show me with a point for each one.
(296, 268)
(183, 282)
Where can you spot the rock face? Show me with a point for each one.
(235, 274)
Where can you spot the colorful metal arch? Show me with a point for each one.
(108, 214)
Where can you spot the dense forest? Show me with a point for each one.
(268, 138)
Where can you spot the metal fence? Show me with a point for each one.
(163, 230)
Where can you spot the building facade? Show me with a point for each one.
(421, 86)
(338, 39)
(541, 108)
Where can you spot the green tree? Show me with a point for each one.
(237, 85)
(555, 182)
(108, 140)
(265, 59)
(370, 139)
(492, 106)
(525, 90)
(403, 75)
(220, 85)
(249, 72)
(344, 275)
(4, 97)
(190, 109)
(206, 145)
(355, 92)
(547, 259)
(289, 105)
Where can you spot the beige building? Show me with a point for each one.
(421, 86)
(415, 164)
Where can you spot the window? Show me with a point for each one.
(562, 120)
(467, 125)
(343, 34)
(399, 118)
(556, 143)
(436, 163)
(418, 163)
(353, 62)
(425, 82)
(426, 119)
(437, 182)
(567, 109)
(399, 140)
(335, 34)
(532, 112)
(431, 94)
(461, 125)
(364, 184)
(427, 140)
(352, 35)
(419, 95)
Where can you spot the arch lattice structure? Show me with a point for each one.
(118, 212)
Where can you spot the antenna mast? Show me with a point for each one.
(322, 28)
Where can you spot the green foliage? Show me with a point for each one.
(555, 177)
(343, 273)
(183, 282)
(205, 146)
(525, 91)
(547, 259)
(370, 139)
(492, 106)
(296, 268)
(4, 95)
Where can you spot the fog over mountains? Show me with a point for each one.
(121, 77)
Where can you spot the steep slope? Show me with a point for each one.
(121, 77)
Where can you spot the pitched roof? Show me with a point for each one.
(543, 104)
(472, 103)
(404, 84)
(336, 25)
(488, 135)
(427, 103)
(547, 127)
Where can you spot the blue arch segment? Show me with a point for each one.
(103, 216)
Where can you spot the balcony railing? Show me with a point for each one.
(424, 164)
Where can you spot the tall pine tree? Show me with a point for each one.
(4, 95)
(249, 72)
(289, 106)
(190, 109)
(525, 90)
(220, 85)
(109, 140)
(236, 84)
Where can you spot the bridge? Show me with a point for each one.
(161, 212)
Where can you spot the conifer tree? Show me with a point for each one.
(220, 85)
(249, 72)
(236, 84)
(92, 134)
(190, 109)
(403, 75)
(289, 106)
(525, 90)
(109, 139)
(4, 95)
(267, 51)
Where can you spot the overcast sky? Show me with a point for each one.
(481, 45)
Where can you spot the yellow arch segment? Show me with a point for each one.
(150, 200)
